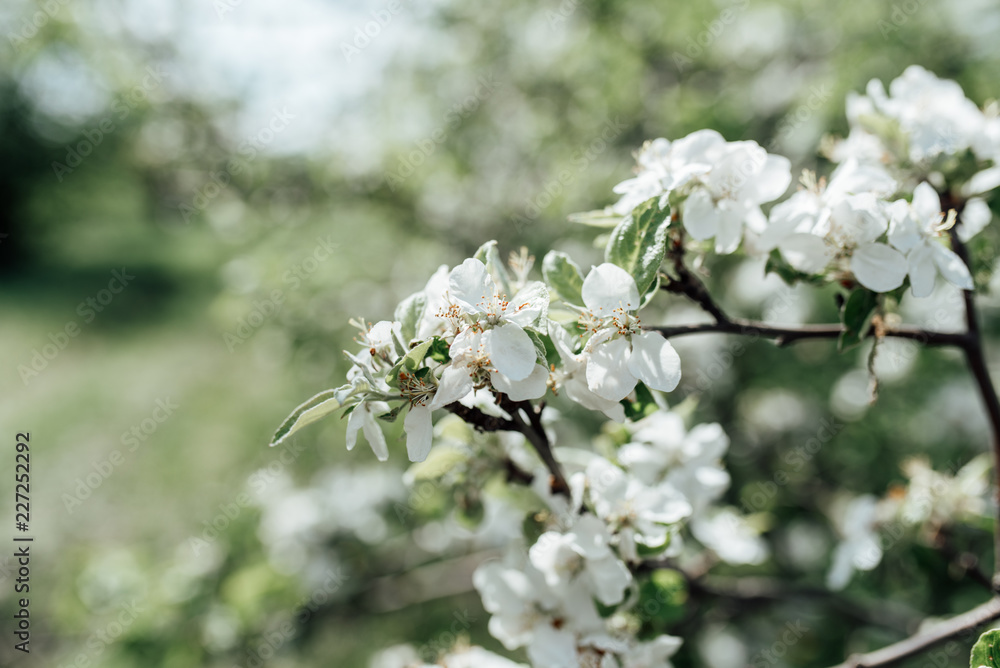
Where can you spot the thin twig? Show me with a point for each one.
(935, 635)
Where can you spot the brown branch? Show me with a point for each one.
(535, 433)
(976, 361)
(783, 336)
(687, 284)
(935, 635)
(532, 430)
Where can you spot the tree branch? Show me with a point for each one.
(535, 433)
(945, 630)
(783, 336)
(976, 360)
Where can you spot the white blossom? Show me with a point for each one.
(619, 352)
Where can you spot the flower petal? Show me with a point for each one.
(608, 287)
(922, 270)
(532, 387)
(975, 217)
(807, 253)
(528, 304)
(510, 350)
(654, 361)
(926, 203)
(376, 439)
(608, 375)
(700, 218)
(455, 383)
(470, 285)
(952, 267)
(417, 425)
(878, 267)
(730, 232)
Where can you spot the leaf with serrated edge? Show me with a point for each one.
(986, 651)
(638, 243)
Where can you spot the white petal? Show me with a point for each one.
(578, 390)
(417, 426)
(530, 302)
(986, 180)
(376, 439)
(511, 351)
(807, 253)
(730, 231)
(608, 287)
(607, 370)
(878, 267)
(610, 578)
(470, 285)
(455, 383)
(553, 648)
(654, 361)
(700, 218)
(771, 182)
(354, 423)
(975, 217)
(952, 267)
(922, 270)
(532, 387)
(926, 203)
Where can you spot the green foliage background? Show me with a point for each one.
(511, 164)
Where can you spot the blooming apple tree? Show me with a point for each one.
(612, 525)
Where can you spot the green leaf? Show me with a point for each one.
(776, 264)
(856, 317)
(643, 406)
(638, 243)
(312, 410)
(489, 255)
(540, 348)
(598, 218)
(986, 651)
(563, 276)
(408, 313)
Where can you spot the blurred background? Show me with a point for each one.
(196, 197)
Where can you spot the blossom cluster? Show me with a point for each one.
(485, 338)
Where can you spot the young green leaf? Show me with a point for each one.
(986, 651)
(564, 277)
(856, 317)
(312, 410)
(638, 243)
(408, 314)
(489, 255)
